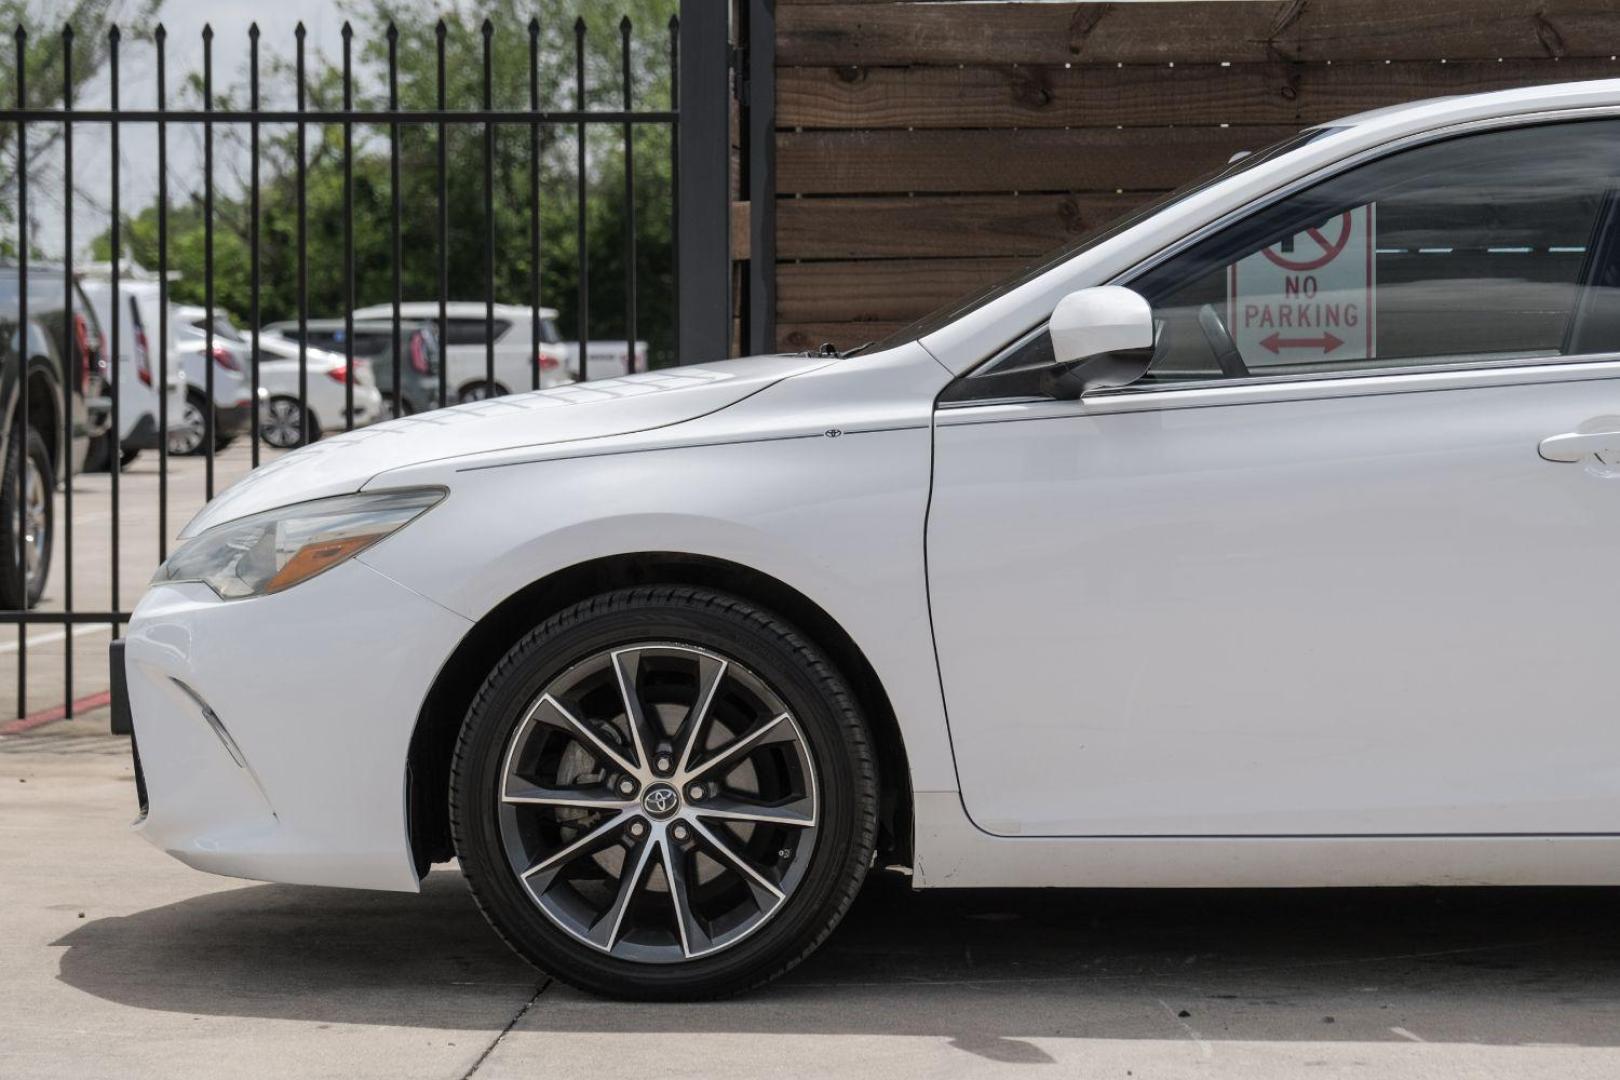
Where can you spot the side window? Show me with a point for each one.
(1489, 247)
(471, 331)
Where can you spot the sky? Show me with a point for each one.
(184, 20)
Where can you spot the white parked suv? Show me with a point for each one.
(326, 376)
(607, 359)
(1265, 537)
(139, 369)
(465, 356)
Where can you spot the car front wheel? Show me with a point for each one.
(664, 793)
(27, 519)
(481, 391)
(282, 424)
(188, 438)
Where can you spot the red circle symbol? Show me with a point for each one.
(1325, 249)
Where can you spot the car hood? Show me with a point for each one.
(344, 463)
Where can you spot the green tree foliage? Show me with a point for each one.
(464, 187)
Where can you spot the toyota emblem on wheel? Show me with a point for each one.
(660, 801)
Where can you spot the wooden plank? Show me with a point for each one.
(885, 162)
(740, 243)
(1044, 95)
(938, 226)
(884, 290)
(1191, 31)
(798, 337)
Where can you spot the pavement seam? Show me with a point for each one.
(510, 1024)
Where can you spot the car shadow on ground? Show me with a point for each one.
(987, 969)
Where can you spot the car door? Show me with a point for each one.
(1312, 575)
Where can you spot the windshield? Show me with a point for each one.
(960, 307)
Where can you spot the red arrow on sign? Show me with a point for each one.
(1276, 343)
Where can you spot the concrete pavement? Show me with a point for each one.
(119, 962)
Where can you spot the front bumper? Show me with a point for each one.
(274, 731)
(367, 405)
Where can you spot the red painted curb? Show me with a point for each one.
(54, 713)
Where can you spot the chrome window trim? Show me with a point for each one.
(1263, 391)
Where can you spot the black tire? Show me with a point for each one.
(283, 423)
(480, 391)
(14, 592)
(190, 440)
(95, 458)
(834, 735)
(388, 410)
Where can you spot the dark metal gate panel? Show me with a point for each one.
(698, 230)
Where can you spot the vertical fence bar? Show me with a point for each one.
(584, 255)
(303, 238)
(675, 170)
(489, 215)
(534, 202)
(253, 239)
(703, 260)
(115, 353)
(68, 381)
(160, 38)
(348, 238)
(444, 236)
(759, 127)
(208, 263)
(629, 205)
(393, 192)
(20, 480)
(208, 260)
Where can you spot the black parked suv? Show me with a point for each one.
(374, 341)
(57, 363)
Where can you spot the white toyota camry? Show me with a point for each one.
(1263, 539)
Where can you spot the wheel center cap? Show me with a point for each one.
(660, 801)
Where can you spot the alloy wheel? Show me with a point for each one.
(282, 425)
(193, 429)
(658, 802)
(36, 535)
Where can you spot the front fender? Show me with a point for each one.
(839, 519)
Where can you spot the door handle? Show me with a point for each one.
(1576, 445)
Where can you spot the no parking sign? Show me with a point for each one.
(1308, 298)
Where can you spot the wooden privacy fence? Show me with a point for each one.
(924, 149)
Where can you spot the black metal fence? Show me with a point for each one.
(98, 381)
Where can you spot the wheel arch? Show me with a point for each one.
(498, 388)
(45, 411)
(452, 692)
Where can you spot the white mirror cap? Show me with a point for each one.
(1102, 319)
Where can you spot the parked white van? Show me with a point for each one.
(139, 363)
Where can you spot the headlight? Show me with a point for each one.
(277, 549)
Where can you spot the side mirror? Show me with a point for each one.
(1101, 337)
